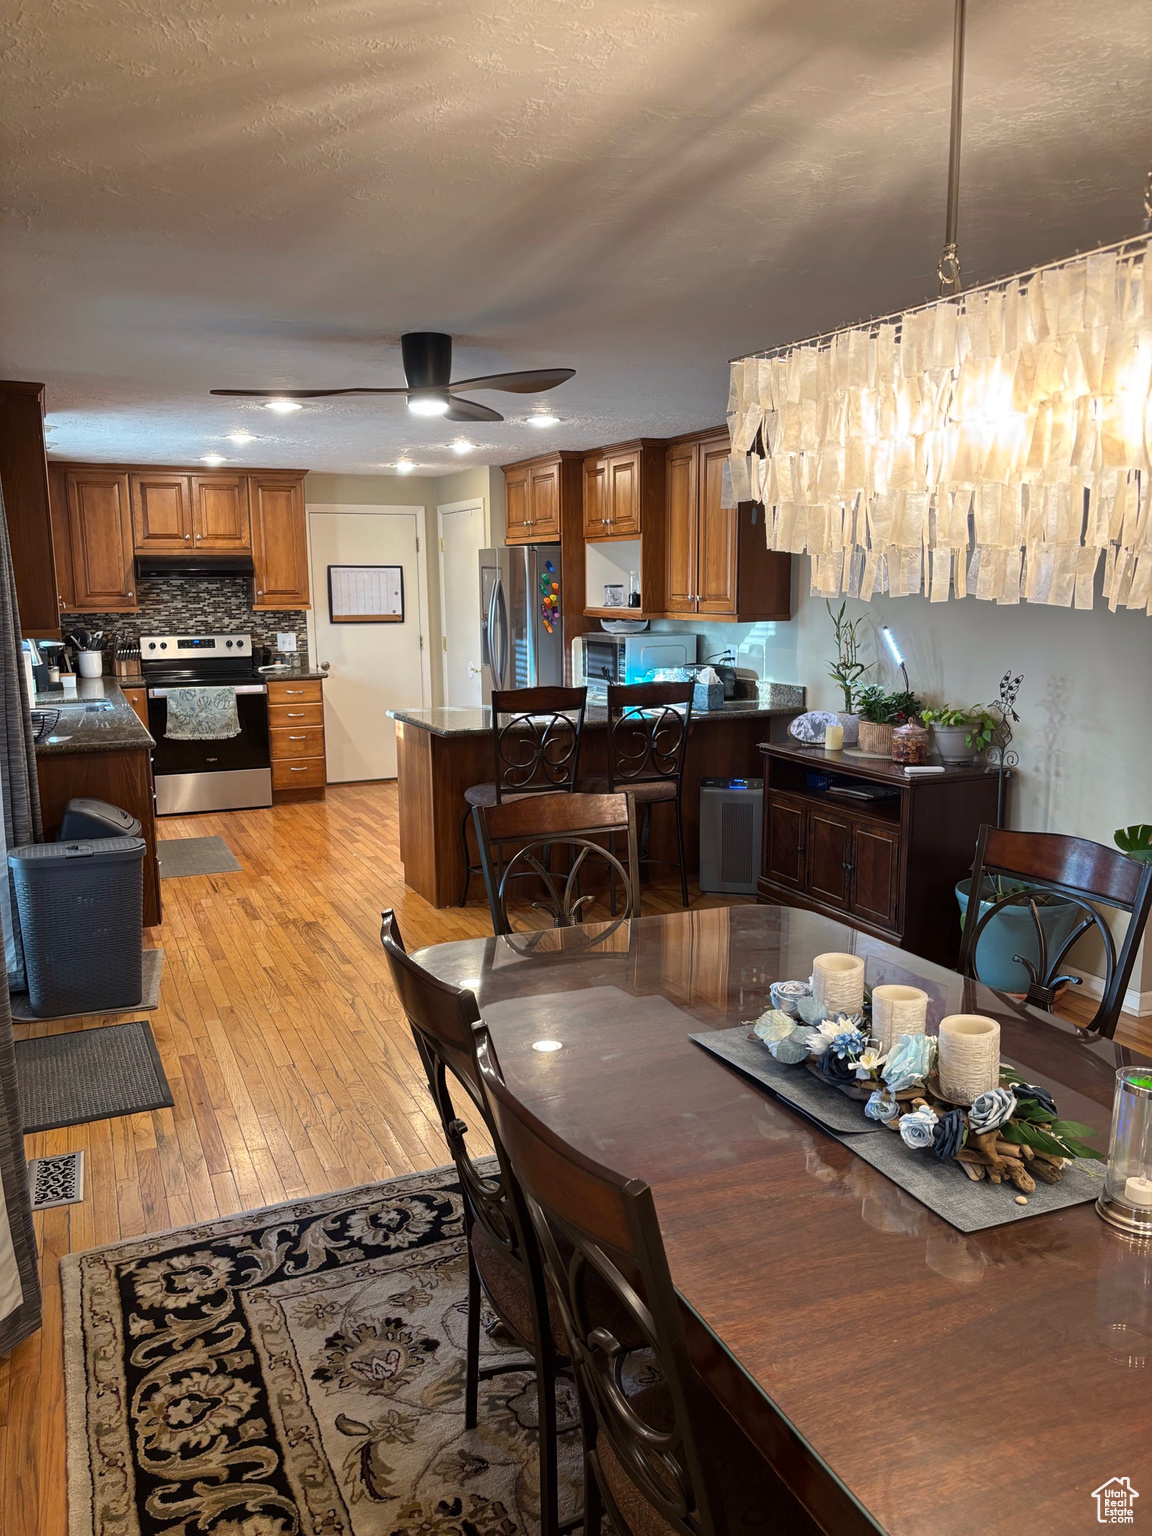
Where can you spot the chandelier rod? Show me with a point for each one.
(948, 267)
(896, 315)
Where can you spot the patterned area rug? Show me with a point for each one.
(297, 1371)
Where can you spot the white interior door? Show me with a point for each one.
(463, 534)
(371, 667)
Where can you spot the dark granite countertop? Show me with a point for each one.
(96, 718)
(476, 720)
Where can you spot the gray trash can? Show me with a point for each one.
(96, 818)
(81, 919)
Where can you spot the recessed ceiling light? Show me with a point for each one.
(463, 446)
(428, 402)
(282, 407)
(241, 437)
(404, 466)
(543, 419)
(213, 458)
(547, 1046)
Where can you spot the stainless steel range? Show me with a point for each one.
(227, 775)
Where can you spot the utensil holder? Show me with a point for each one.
(90, 663)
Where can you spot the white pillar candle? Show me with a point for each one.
(897, 1011)
(1138, 1191)
(834, 738)
(969, 1060)
(838, 982)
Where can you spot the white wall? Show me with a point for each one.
(1085, 732)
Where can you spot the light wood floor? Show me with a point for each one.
(291, 1068)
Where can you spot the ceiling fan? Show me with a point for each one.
(427, 358)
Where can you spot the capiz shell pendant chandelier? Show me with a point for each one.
(992, 442)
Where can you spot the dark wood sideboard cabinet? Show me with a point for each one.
(886, 866)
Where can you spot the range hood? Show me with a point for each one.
(194, 565)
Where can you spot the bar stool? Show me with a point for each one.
(647, 741)
(536, 749)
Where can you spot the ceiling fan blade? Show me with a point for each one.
(470, 410)
(530, 382)
(301, 394)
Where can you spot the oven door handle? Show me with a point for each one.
(162, 693)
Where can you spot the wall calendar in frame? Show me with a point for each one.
(366, 594)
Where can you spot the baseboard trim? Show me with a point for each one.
(1135, 1002)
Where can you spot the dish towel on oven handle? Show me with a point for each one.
(202, 714)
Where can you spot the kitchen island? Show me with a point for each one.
(98, 749)
(440, 752)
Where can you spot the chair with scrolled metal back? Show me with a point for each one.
(648, 725)
(540, 825)
(502, 1250)
(1085, 873)
(660, 1454)
(536, 735)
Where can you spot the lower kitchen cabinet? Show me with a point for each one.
(887, 866)
(296, 737)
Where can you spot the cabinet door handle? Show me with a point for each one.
(297, 770)
(294, 690)
(187, 536)
(297, 738)
(296, 714)
(847, 864)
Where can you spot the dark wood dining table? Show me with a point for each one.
(901, 1376)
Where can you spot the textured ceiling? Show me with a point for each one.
(236, 194)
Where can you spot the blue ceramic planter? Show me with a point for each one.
(1013, 932)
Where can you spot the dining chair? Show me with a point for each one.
(537, 826)
(648, 726)
(660, 1454)
(502, 1250)
(1085, 873)
(536, 750)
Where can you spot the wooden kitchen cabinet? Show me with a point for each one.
(541, 498)
(279, 541)
(612, 494)
(296, 738)
(99, 529)
(716, 558)
(220, 514)
(161, 512)
(888, 867)
(27, 508)
(138, 698)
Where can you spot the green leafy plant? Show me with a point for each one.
(880, 708)
(848, 668)
(1135, 841)
(980, 722)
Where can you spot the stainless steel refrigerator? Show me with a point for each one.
(521, 636)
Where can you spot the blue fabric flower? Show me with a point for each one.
(909, 1061)
(881, 1106)
(836, 1069)
(849, 1043)
(786, 995)
(991, 1110)
(918, 1130)
(1034, 1091)
(951, 1134)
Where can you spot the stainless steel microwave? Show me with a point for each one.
(601, 659)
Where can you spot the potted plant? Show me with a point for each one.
(958, 734)
(1135, 841)
(1011, 935)
(848, 669)
(880, 713)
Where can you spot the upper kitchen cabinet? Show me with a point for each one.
(174, 513)
(717, 561)
(220, 514)
(279, 541)
(161, 512)
(95, 508)
(623, 489)
(24, 480)
(541, 497)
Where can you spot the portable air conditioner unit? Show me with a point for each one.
(731, 819)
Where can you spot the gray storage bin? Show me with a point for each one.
(81, 919)
(96, 818)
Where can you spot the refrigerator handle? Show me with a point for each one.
(531, 619)
(498, 649)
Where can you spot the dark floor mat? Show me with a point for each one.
(90, 1074)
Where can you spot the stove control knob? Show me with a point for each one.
(163, 645)
(228, 643)
(151, 645)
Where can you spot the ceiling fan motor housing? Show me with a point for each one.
(427, 358)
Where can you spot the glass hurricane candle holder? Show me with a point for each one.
(1127, 1199)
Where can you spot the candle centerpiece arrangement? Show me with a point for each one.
(1126, 1202)
(949, 1095)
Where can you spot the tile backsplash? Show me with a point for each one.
(217, 605)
